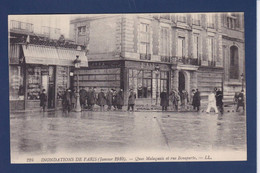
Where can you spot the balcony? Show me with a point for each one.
(180, 60)
(22, 26)
(145, 56)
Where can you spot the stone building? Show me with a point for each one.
(39, 61)
(154, 52)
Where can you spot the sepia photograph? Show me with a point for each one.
(139, 87)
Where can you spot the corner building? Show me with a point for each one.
(154, 52)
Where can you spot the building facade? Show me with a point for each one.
(36, 62)
(154, 52)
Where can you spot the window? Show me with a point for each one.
(180, 50)
(195, 19)
(232, 22)
(181, 18)
(211, 49)
(16, 87)
(144, 83)
(165, 42)
(164, 77)
(82, 30)
(234, 68)
(34, 83)
(144, 39)
(210, 20)
(196, 46)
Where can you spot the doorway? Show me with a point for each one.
(181, 81)
(48, 83)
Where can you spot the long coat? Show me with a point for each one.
(120, 98)
(196, 99)
(219, 97)
(101, 99)
(109, 98)
(92, 97)
(131, 98)
(164, 99)
(83, 96)
(240, 99)
(43, 99)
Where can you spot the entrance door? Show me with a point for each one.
(51, 87)
(181, 81)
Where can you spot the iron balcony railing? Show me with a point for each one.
(21, 26)
(145, 56)
(181, 60)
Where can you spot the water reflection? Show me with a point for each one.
(120, 132)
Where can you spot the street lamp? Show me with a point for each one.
(77, 62)
(242, 80)
(157, 70)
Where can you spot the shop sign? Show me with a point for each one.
(114, 64)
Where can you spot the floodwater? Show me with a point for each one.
(47, 133)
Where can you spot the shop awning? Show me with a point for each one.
(38, 54)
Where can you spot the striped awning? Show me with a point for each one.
(38, 54)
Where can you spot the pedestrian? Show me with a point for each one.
(120, 99)
(219, 98)
(92, 98)
(82, 97)
(114, 101)
(212, 102)
(66, 101)
(164, 100)
(184, 99)
(43, 100)
(196, 100)
(174, 97)
(240, 100)
(88, 96)
(131, 100)
(109, 98)
(101, 101)
(73, 99)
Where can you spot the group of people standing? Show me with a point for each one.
(180, 98)
(88, 98)
(215, 101)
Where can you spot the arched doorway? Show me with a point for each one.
(181, 81)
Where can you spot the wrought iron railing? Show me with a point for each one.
(145, 56)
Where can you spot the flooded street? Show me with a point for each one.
(48, 133)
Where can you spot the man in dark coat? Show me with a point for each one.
(92, 98)
(109, 98)
(88, 97)
(196, 100)
(66, 101)
(43, 99)
(219, 102)
(131, 100)
(240, 100)
(120, 99)
(114, 101)
(82, 97)
(101, 101)
(164, 100)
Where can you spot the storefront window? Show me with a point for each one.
(34, 83)
(62, 81)
(16, 87)
(144, 83)
(164, 77)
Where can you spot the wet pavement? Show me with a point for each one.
(47, 133)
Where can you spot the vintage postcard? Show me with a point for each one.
(153, 87)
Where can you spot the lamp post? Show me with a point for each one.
(77, 62)
(157, 70)
(242, 80)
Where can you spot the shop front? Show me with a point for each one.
(41, 67)
(148, 80)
